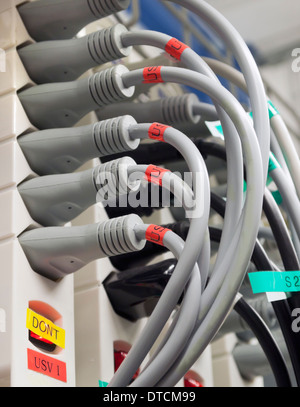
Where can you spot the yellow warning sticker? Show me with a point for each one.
(45, 328)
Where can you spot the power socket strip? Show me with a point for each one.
(34, 310)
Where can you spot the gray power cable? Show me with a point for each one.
(206, 111)
(290, 183)
(288, 148)
(241, 52)
(183, 269)
(181, 274)
(183, 195)
(193, 61)
(276, 150)
(179, 141)
(289, 196)
(234, 160)
(185, 318)
(277, 123)
(252, 210)
(289, 151)
(253, 202)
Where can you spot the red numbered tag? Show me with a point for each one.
(155, 234)
(175, 48)
(44, 364)
(156, 131)
(154, 174)
(152, 74)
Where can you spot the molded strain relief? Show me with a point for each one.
(102, 8)
(111, 179)
(56, 19)
(173, 110)
(55, 252)
(54, 105)
(66, 60)
(117, 236)
(112, 136)
(179, 109)
(107, 86)
(105, 45)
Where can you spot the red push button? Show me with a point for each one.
(193, 379)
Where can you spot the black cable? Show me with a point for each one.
(281, 235)
(251, 317)
(266, 341)
(281, 308)
(259, 257)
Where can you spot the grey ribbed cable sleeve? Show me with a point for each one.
(66, 60)
(63, 150)
(55, 252)
(61, 19)
(64, 104)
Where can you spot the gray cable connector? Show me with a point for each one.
(66, 60)
(55, 252)
(64, 104)
(57, 151)
(175, 110)
(62, 19)
(53, 200)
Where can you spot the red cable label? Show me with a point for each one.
(156, 131)
(154, 174)
(152, 74)
(155, 234)
(175, 48)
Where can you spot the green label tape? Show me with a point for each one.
(277, 196)
(273, 163)
(216, 130)
(274, 281)
(272, 110)
(102, 383)
(215, 127)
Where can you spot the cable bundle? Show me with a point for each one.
(208, 293)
